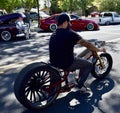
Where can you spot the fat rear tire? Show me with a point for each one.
(32, 84)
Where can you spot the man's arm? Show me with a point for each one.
(89, 45)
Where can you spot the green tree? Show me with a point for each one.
(55, 7)
(28, 4)
(117, 8)
(72, 5)
(69, 5)
(85, 5)
(9, 5)
(108, 5)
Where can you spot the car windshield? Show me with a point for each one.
(74, 17)
(54, 17)
(108, 14)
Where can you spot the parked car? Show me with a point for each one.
(78, 24)
(107, 18)
(34, 15)
(94, 14)
(11, 28)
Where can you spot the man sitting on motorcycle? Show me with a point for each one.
(61, 47)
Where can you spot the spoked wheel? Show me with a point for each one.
(35, 86)
(53, 27)
(6, 35)
(90, 27)
(99, 72)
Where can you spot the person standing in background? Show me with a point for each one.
(27, 19)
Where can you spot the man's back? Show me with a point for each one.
(61, 48)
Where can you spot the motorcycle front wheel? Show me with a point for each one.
(99, 72)
(35, 86)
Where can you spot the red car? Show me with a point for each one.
(95, 14)
(78, 24)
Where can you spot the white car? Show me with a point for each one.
(34, 15)
(107, 18)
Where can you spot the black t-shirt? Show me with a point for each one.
(61, 47)
(27, 17)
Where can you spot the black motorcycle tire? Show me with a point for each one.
(107, 61)
(31, 85)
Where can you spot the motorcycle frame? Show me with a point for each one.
(86, 54)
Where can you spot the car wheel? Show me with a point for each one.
(90, 27)
(107, 23)
(6, 35)
(53, 27)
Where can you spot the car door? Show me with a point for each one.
(116, 18)
(77, 22)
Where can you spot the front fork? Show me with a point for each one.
(98, 57)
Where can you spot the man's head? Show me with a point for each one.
(63, 21)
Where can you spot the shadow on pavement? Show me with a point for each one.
(73, 101)
(113, 46)
(8, 103)
(21, 50)
(76, 102)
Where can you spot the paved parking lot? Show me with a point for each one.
(104, 96)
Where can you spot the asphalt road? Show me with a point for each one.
(16, 54)
(36, 48)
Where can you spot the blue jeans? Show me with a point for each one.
(85, 68)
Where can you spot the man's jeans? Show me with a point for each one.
(85, 68)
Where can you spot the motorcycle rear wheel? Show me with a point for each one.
(99, 72)
(35, 86)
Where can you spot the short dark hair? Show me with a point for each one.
(62, 18)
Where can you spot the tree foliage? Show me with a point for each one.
(28, 4)
(108, 5)
(9, 5)
(85, 5)
(64, 5)
(70, 5)
(55, 8)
